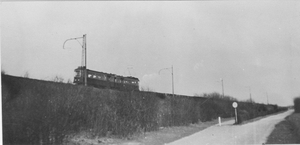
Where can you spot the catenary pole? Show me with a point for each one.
(172, 82)
(172, 77)
(267, 98)
(85, 56)
(222, 88)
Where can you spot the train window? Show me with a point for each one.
(89, 75)
(94, 76)
(78, 73)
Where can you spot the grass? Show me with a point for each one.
(36, 111)
(259, 118)
(160, 137)
(287, 131)
(170, 134)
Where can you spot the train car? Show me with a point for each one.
(106, 80)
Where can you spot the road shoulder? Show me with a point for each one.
(287, 131)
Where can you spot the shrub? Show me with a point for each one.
(2, 72)
(41, 112)
(26, 75)
(243, 115)
(58, 79)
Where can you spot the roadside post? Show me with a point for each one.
(234, 105)
(220, 123)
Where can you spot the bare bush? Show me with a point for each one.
(69, 81)
(26, 75)
(250, 100)
(2, 72)
(147, 89)
(58, 79)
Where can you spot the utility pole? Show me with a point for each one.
(250, 94)
(222, 88)
(128, 68)
(85, 67)
(172, 82)
(84, 56)
(267, 98)
(172, 78)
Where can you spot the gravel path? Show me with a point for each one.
(250, 133)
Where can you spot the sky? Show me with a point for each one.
(253, 46)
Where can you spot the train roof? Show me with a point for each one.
(129, 77)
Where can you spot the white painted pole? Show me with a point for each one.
(235, 115)
(220, 123)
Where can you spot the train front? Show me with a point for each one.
(79, 77)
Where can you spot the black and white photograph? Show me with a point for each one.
(207, 72)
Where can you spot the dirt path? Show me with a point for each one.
(250, 133)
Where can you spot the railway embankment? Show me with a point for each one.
(44, 112)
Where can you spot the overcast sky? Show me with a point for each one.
(252, 45)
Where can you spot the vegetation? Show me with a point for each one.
(58, 79)
(287, 131)
(26, 75)
(43, 112)
(146, 89)
(2, 71)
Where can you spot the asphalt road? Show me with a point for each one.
(250, 133)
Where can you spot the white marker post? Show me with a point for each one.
(220, 121)
(234, 105)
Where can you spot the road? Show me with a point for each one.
(250, 133)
